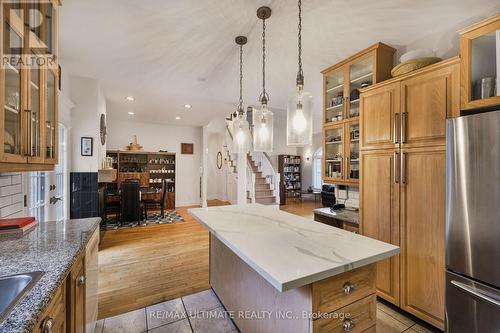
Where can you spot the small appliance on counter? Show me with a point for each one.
(473, 223)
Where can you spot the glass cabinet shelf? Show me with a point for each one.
(480, 59)
(342, 86)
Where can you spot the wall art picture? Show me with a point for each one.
(87, 146)
(187, 148)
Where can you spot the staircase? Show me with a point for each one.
(263, 191)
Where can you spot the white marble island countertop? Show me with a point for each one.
(287, 250)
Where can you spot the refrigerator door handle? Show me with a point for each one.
(476, 293)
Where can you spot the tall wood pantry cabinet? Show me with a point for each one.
(29, 78)
(402, 186)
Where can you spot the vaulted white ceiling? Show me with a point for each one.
(168, 53)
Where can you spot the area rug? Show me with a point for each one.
(171, 217)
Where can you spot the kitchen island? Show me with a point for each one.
(278, 272)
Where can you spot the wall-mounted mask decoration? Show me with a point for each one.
(219, 160)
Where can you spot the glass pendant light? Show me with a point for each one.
(263, 118)
(241, 128)
(299, 109)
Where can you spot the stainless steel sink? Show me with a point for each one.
(13, 288)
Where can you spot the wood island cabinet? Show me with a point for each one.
(29, 88)
(402, 187)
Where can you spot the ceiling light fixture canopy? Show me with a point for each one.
(130, 98)
(188, 106)
(263, 118)
(241, 128)
(299, 109)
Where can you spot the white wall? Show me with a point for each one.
(280, 147)
(305, 153)
(155, 137)
(89, 102)
(217, 181)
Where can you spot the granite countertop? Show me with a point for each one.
(347, 215)
(287, 250)
(52, 247)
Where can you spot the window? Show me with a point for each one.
(40, 205)
(317, 171)
(61, 174)
(38, 195)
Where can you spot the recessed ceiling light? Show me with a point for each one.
(177, 118)
(188, 106)
(130, 98)
(131, 113)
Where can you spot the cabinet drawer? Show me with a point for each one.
(333, 293)
(361, 316)
(56, 312)
(351, 228)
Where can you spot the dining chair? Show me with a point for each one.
(131, 205)
(155, 202)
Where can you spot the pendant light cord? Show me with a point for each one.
(300, 74)
(264, 97)
(240, 105)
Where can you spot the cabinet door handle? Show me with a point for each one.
(348, 288)
(404, 117)
(348, 325)
(342, 171)
(47, 325)
(28, 134)
(396, 127)
(346, 107)
(476, 292)
(81, 280)
(403, 168)
(347, 168)
(396, 168)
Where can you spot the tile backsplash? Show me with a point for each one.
(349, 196)
(11, 195)
(84, 195)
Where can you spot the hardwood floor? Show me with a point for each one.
(302, 207)
(147, 265)
(217, 202)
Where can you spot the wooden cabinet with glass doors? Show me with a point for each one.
(28, 86)
(342, 84)
(480, 59)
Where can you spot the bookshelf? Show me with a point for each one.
(290, 169)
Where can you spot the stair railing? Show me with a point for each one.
(250, 182)
(232, 173)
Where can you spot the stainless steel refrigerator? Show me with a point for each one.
(473, 224)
